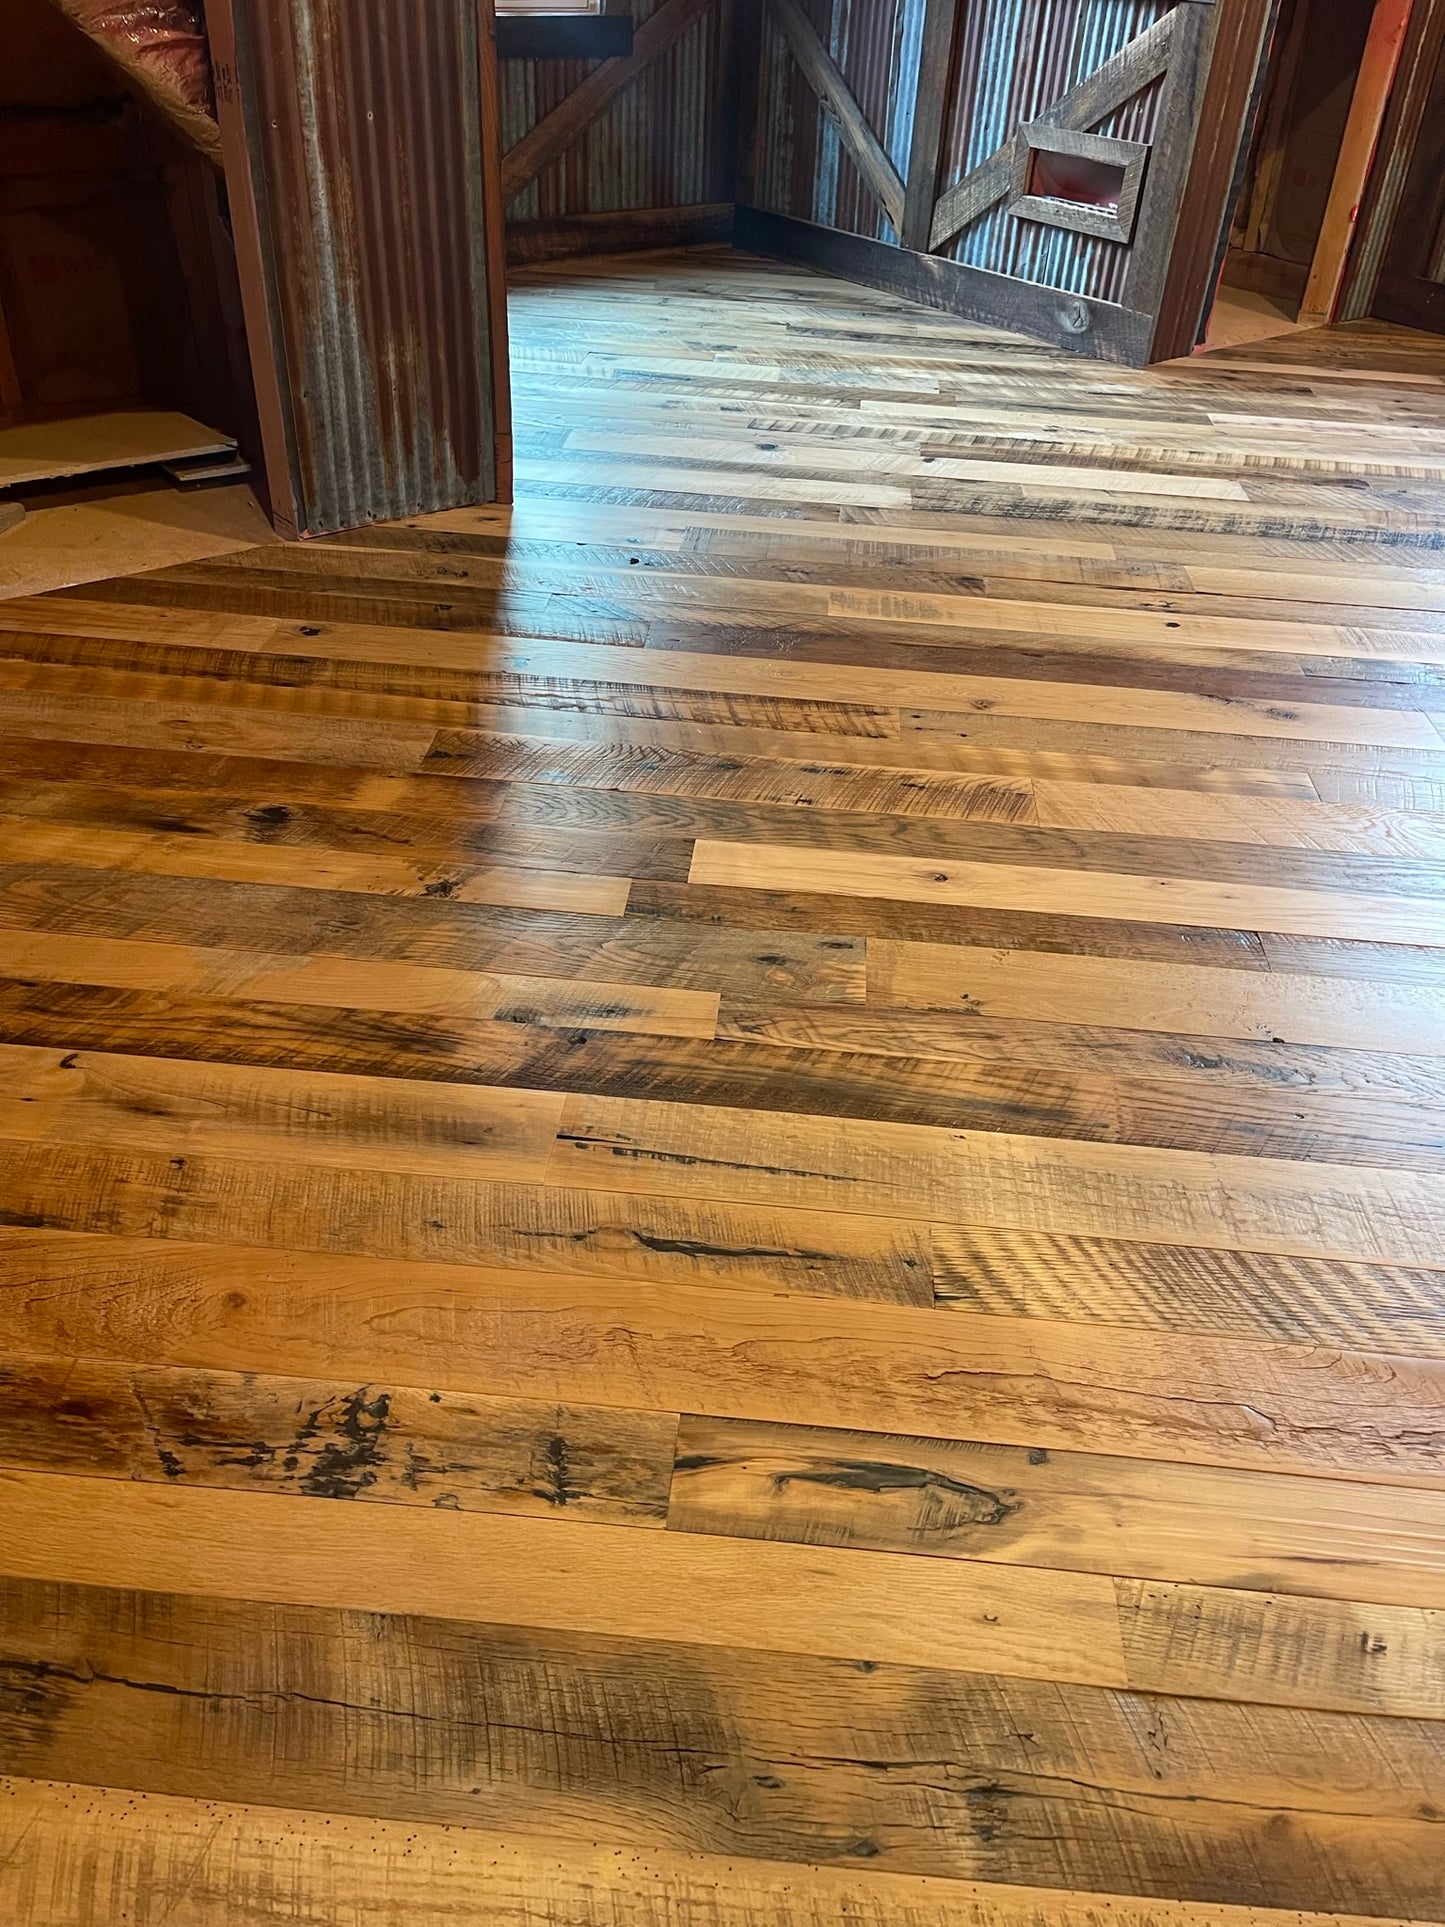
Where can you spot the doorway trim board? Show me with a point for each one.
(1244, 34)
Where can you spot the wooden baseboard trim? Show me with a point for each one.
(1109, 333)
(620, 233)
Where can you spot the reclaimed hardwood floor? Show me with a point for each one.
(722, 1201)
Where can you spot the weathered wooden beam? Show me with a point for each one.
(1108, 87)
(1079, 324)
(820, 70)
(555, 132)
(935, 64)
(740, 116)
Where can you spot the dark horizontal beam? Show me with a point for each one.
(1073, 321)
(563, 36)
(624, 232)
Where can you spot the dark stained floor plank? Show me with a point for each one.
(391, 1444)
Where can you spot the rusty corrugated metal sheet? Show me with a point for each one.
(1015, 58)
(357, 124)
(661, 144)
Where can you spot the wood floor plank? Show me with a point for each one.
(22, 839)
(1206, 744)
(390, 1444)
(573, 1575)
(429, 1219)
(744, 1159)
(1256, 1532)
(997, 886)
(762, 1595)
(886, 921)
(651, 769)
(1366, 1115)
(784, 731)
(1179, 998)
(1264, 820)
(438, 931)
(174, 1106)
(161, 725)
(352, 984)
(1380, 1657)
(1204, 1061)
(995, 708)
(726, 1353)
(464, 820)
(306, 657)
(1113, 619)
(198, 1856)
(1200, 1288)
(776, 1758)
(993, 1178)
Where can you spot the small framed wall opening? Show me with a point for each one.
(1087, 182)
(1073, 177)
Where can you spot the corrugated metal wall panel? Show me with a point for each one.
(1015, 58)
(660, 145)
(362, 149)
(876, 46)
(773, 160)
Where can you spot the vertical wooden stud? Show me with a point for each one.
(1378, 66)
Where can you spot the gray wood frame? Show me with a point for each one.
(1114, 224)
(1099, 93)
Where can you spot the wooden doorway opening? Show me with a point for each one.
(1326, 85)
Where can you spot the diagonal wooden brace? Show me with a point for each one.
(1108, 87)
(820, 70)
